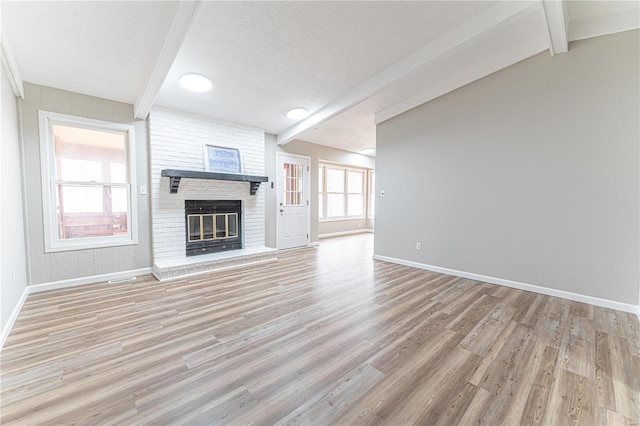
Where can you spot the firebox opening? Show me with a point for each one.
(212, 226)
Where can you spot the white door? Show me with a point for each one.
(293, 201)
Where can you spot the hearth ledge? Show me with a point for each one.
(181, 267)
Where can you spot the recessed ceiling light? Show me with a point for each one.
(195, 82)
(298, 113)
(368, 151)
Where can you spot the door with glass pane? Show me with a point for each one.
(293, 201)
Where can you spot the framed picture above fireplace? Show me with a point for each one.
(222, 160)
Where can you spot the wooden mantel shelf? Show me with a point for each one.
(175, 176)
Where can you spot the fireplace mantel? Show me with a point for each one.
(175, 176)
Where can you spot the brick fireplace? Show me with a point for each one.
(177, 140)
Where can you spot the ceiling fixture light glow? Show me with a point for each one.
(368, 151)
(298, 113)
(195, 82)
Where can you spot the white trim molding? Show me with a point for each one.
(13, 317)
(37, 288)
(555, 14)
(93, 279)
(341, 233)
(605, 303)
(11, 67)
(185, 14)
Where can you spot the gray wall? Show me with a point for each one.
(530, 174)
(13, 267)
(49, 267)
(317, 153)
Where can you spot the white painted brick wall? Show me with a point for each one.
(177, 139)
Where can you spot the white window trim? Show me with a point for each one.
(342, 219)
(370, 194)
(52, 243)
(345, 169)
(363, 172)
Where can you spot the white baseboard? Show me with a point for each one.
(612, 304)
(625, 307)
(339, 234)
(12, 318)
(37, 288)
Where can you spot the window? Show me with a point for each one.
(87, 181)
(293, 193)
(341, 192)
(355, 191)
(335, 192)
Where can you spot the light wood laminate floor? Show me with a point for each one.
(322, 336)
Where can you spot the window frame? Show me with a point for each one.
(322, 215)
(362, 193)
(371, 195)
(321, 200)
(52, 240)
(325, 198)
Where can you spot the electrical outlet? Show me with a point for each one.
(143, 189)
(418, 246)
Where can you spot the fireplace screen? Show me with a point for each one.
(212, 226)
(205, 227)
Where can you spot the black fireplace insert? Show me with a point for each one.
(213, 226)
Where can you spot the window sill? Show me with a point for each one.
(95, 243)
(342, 219)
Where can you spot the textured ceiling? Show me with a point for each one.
(104, 49)
(582, 10)
(267, 57)
(334, 58)
(354, 129)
